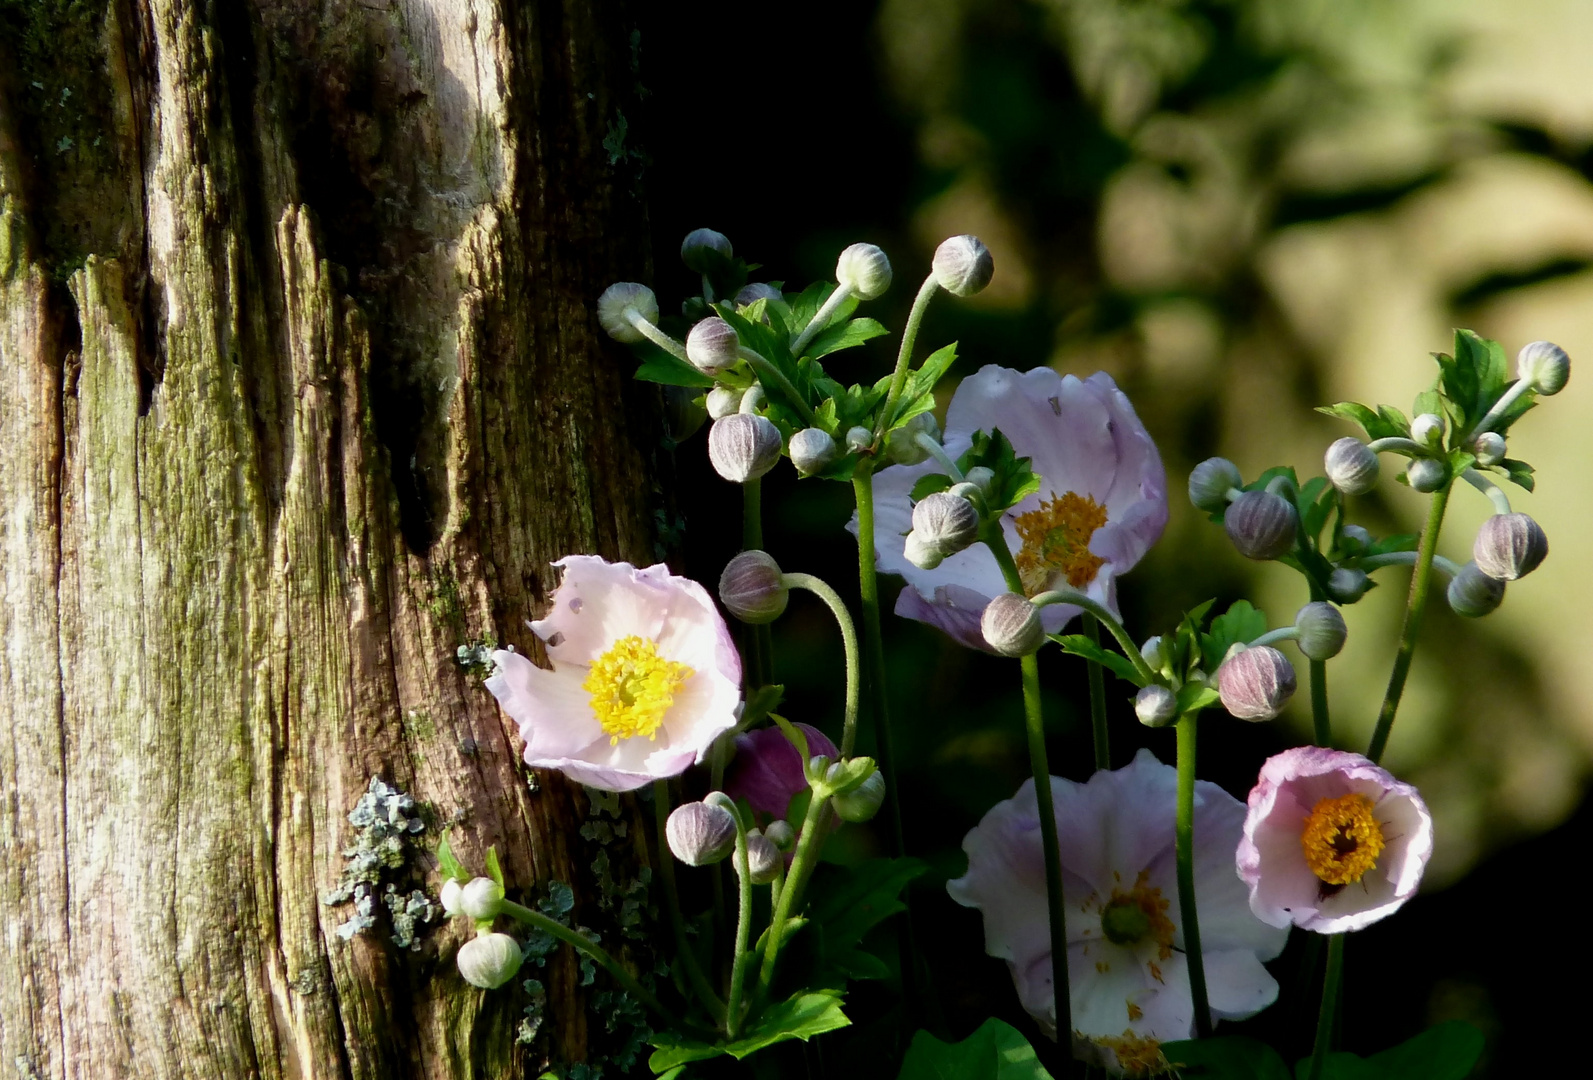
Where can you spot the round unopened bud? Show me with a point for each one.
(901, 445)
(1011, 625)
(1156, 706)
(1255, 683)
(757, 290)
(1322, 630)
(724, 401)
(1545, 365)
(1346, 585)
(618, 303)
(920, 552)
(751, 588)
(858, 439)
(1210, 482)
(712, 346)
(700, 833)
(945, 522)
(1489, 448)
(1154, 652)
(1509, 546)
(780, 834)
(763, 859)
(1473, 593)
(812, 449)
(1428, 430)
(698, 243)
(962, 265)
(1351, 466)
(743, 447)
(489, 960)
(1356, 538)
(1261, 525)
(452, 891)
(865, 270)
(1426, 474)
(981, 477)
(482, 898)
(862, 802)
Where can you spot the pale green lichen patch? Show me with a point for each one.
(385, 822)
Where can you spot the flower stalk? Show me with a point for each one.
(666, 871)
(1327, 1014)
(1100, 736)
(1185, 854)
(801, 867)
(915, 319)
(854, 671)
(874, 648)
(738, 965)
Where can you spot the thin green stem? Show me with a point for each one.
(874, 648)
(666, 871)
(821, 318)
(658, 337)
(738, 966)
(932, 447)
(1185, 838)
(773, 375)
(1326, 1018)
(854, 671)
(1321, 726)
(1079, 600)
(801, 866)
(904, 356)
(1501, 501)
(1415, 605)
(1103, 748)
(1034, 726)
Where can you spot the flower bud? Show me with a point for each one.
(921, 553)
(1156, 706)
(1255, 683)
(1153, 652)
(763, 859)
(743, 447)
(1356, 538)
(1210, 482)
(1428, 430)
(452, 892)
(1509, 546)
(489, 960)
(858, 439)
(945, 522)
(1322, 630)
(862, 802)
(482, 898)
(1426, 474)
(724, 401)
(618, 303)
(751, 588)
(1261, 525)
(901, 445)
(865, 270)
(700, 833)
(812, 450)
(962, 265)
(1011, 625)
(1489, 448)
(757, 290)
(981, 477)
(1545, 365)
(780, 834)
(1473, 593)
(712, 346)
(1346, 585)
(698, 243)
(767, 770)
(1351, 466)
(683, 411)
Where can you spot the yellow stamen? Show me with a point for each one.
(1056, 543)
(632, 687)
(1342, 839)
(1138, 1056)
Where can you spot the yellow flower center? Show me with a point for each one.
(632, 687)
(1342, 839)
(1130, 917)
(1138, 1056)
(1056, 542)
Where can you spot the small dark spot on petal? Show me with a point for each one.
(575, 604)
(556, 640)
(1056, 405)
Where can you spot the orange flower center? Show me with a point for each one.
(1342, 839)
(1056, 543)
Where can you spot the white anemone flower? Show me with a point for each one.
(644, 676)
(1127, 971)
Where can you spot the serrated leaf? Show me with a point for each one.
(995, 1051)
(928, 484)
(1080, 645)
(1192, 697)
(838, 336)
(1482, 368)
(494, 871)
(1519, 472)
(1013, 479)
(800, 1017)
(447, 865)
(934, 367)
(1396, 420)
(851, 901)
(1241, 623)
(1230, 1057)
(1375, 426)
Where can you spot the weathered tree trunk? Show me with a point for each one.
(299, 392)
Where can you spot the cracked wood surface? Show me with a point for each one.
(299, 391)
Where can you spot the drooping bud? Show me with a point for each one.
(1356, 538)
(700, 833)
(1153, 652)
(751, 588)
(780, 834)
(1428, 430)
(1346, 585)
(1509, 546)
(694, 249)
(1255, 683)
(763, 859)
(743, 447)
(489, 960)
(618, 303)
(757, 290)
(452, 891)
(1545, 365)
(901, 445)
(724, 401)
(1322, 630)
(1156, 705)
(767, 770)
(1489, 448)
(1426, 474)
(920, 552)
(858, 439)
(1210, 482)
(865, 270)
(482, 898)
(945, 522)
(1351, 466)
(963, 265)
(1473, 593)
(1261, 525)
(812, 449)
(752, 399)
(712, 346)
(862, 802)
(1011, 625)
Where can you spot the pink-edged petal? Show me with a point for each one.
(1130, 814)
(951, 609)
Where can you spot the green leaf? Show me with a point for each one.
(845, 335)
(1488, 369)
(1519, 472)
(494, 871)
(996, 1051)
(928, 484)
(1013, 481)
(1397, 542)
(1315, 501)
(851, 901)
(794, 734)
(760, 703)
(1232, 1057)
(1240, 623)
(800, 1017)
(447, 865)
(852, 772)
(1194, 696)
(1375, 425)
(1446, 1051)
(934, 367)
(659, 366)
(1120, 665)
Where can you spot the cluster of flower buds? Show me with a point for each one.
(1261, 524)
(489, 959)
(944, 523)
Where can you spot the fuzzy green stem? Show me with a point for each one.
(666, 871)
(773, 375)
(996, 542)
(801, 866)
(1185, 839)
(1501, 501)
(932, 447)
(1034, 727)
(738, 966)
(1326, 1018)
(1415, 605)
(657, 336)
(854, 671)
(904, 356)
(1321, 726)
(1103, 747)
(874, 648)
(821, 318)
(1395, 444)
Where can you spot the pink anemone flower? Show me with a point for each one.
(1331, 842)
(644, 678)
